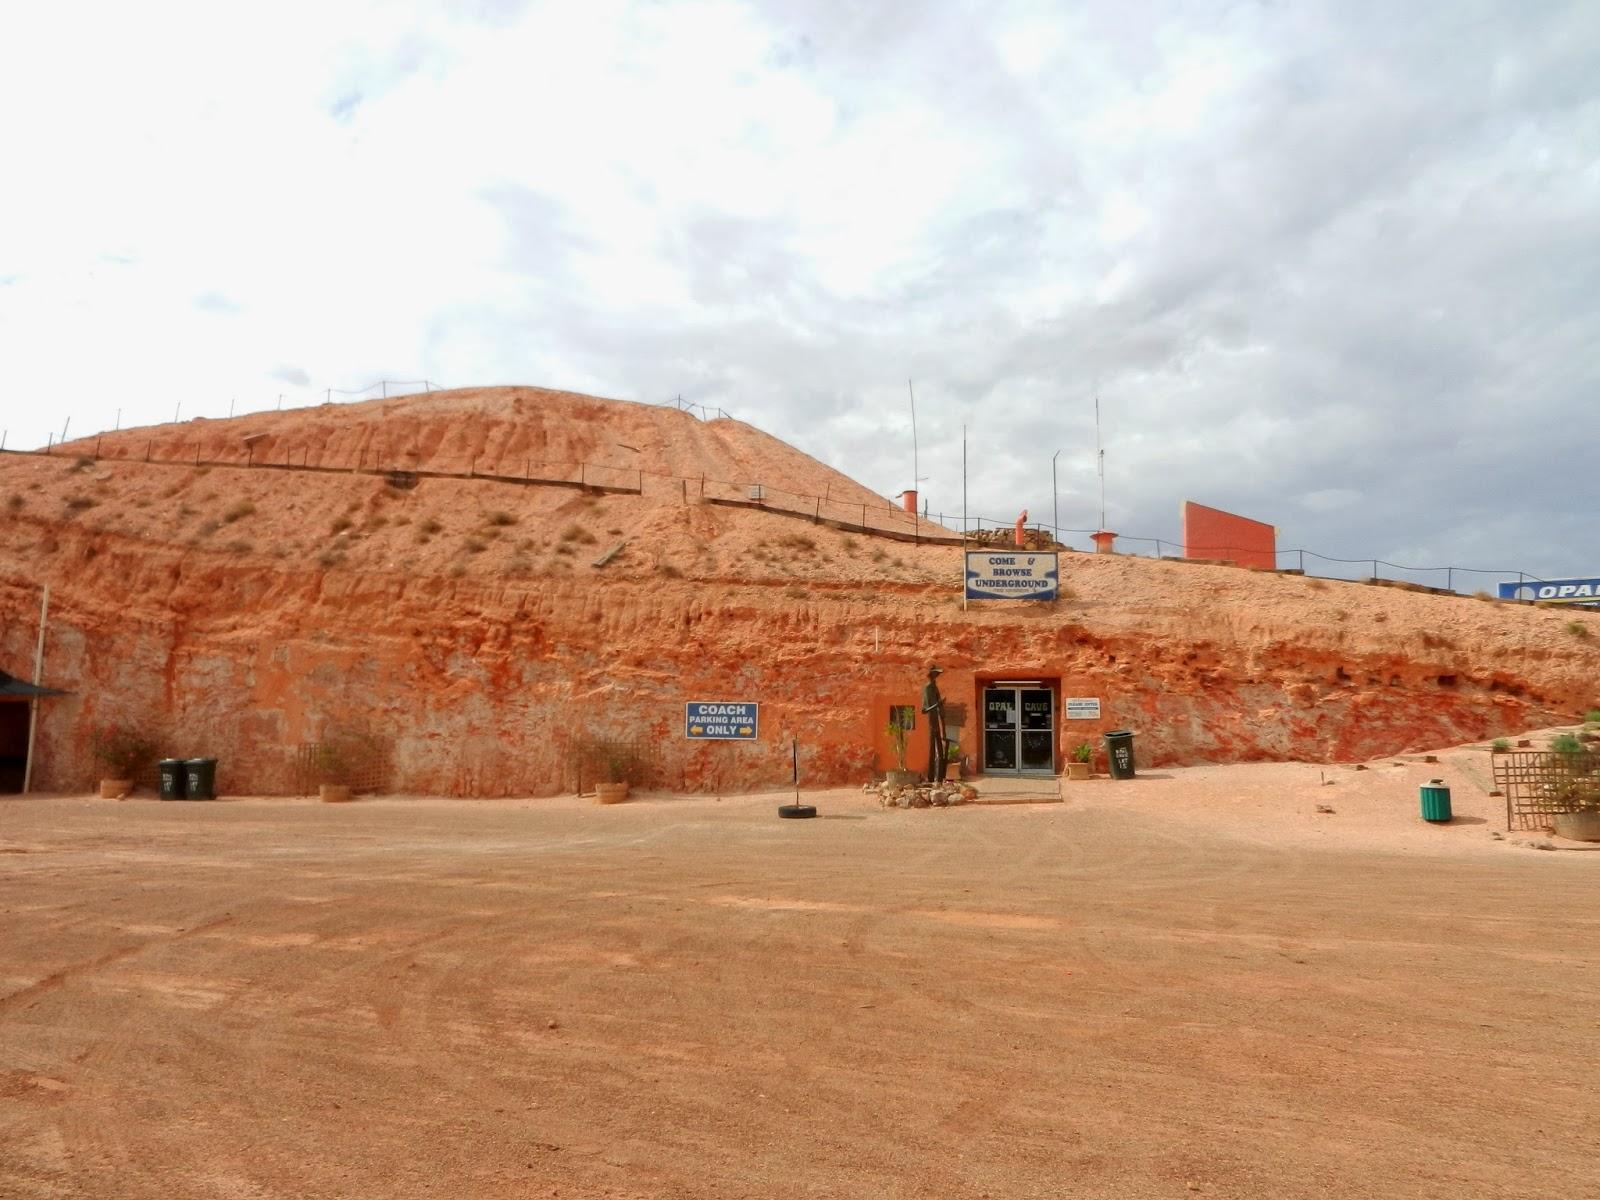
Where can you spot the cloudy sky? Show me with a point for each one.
(1333, 265)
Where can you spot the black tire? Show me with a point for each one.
(797, 810)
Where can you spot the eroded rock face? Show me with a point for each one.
(245, 610)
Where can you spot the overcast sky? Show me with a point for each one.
(1335, 266)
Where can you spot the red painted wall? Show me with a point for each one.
(1212, 533)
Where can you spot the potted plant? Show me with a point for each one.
(1577, 788)
(122, 752)
(900, 777)
(954, 758)
(1080, 757)
(614, 760)
(333, 768)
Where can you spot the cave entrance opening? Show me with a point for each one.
(1019, 728)
(13, 745)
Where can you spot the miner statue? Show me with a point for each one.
(933, 706)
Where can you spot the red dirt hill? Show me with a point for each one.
(352, 566)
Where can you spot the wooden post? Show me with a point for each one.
(38, 678)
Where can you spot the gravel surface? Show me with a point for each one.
(1191, 985)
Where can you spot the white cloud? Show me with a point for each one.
(1307, 255)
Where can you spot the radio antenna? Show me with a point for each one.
(1100, 456)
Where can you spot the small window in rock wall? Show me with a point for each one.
(903, 715)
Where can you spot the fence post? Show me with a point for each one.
(1302, 562)
(1449, 579)
(1374, 568)
(97, 447)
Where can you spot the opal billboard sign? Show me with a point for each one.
(1554, 591)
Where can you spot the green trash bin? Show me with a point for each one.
(1435, 801)
(200, 778)
(172, 778)
(1119, 753)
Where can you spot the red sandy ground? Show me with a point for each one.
(1190, 984)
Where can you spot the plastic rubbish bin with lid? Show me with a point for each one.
(200, 778)
(1119, 753)
(1435, 801)
(172, 778)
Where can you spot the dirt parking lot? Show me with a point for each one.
(1124, 995)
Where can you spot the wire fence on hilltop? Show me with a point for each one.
(852, 509)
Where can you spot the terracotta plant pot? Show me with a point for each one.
(1078, 770)
(611, 793)
(115, 789)
(1579, 826)
(334, 793)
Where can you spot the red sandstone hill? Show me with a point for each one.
(352, 566)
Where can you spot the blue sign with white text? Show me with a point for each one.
(721, 720)
(1014, 575)
(1554, 591)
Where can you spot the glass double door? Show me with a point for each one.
(1019, 735)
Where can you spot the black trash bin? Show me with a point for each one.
(172, 779)
(200, 778)
(1119, 753)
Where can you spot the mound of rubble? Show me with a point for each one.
(923, 795)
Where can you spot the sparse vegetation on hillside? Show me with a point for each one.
(83, 463)
(1592, 717)
(670, 571)
(1500, 745)
(501, 518)
(796, 592)
(797, 542)
(78, 504)
(238, 512)
(577, 533)
(475, 546)
(15, 501)
(430, 526)
(340, 524)
(1577, 629)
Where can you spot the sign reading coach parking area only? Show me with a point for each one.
(1012, 576)
(721, 720)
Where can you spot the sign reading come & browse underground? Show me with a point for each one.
(722, 720)
(1015, 575)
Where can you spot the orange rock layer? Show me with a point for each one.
(239, 611)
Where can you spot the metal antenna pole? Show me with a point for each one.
(916, 526)
(963, 518)
(1100, 455)
(1055, 501)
